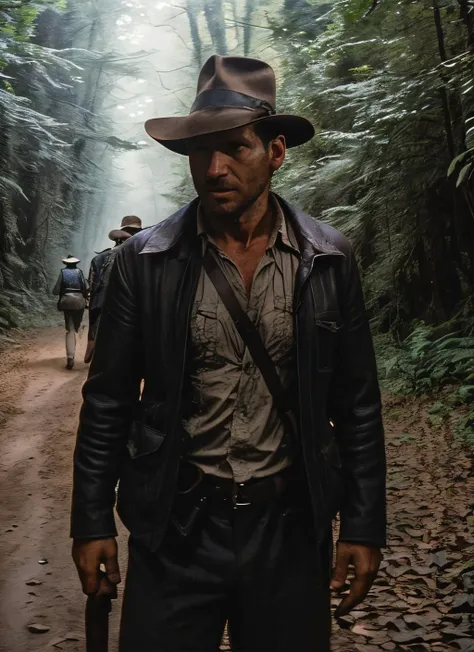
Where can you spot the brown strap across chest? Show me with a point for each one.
(251, 337)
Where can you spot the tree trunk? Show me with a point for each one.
(194, 30)
(216, 25)
(249, 9)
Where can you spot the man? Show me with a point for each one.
(71, 287)
(228, 493)
(101, 263)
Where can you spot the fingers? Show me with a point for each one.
(88, 557)
(112, 569)
(106, 587)
(343, 558)
(87, 565)
(359, 589)
(366, 564)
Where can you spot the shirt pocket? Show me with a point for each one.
(328, 325)
(204, 331)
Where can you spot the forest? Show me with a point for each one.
(388, 85)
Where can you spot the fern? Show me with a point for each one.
(423, 364)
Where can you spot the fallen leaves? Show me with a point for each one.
(37, 628)
(423, 598)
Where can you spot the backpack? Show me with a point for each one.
(72, 290)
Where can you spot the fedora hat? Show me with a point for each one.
(70, 260)
(231, 92)
(129, 225)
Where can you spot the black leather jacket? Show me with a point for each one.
(138, 439)
(94, 278)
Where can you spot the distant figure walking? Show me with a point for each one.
(72, 289)
(99, 273)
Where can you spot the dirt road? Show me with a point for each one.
(421, 599)
(36, 445)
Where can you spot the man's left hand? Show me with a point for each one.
(366, 562)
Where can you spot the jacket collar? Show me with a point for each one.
(167, 233)
(308, 231)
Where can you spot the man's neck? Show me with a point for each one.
(253, 224)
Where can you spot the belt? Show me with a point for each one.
(241, 494)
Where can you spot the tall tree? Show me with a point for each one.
(214, 12)
(389, 88)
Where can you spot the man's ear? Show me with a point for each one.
(277, 152)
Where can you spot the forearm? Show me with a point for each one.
(356, 412)
(111, 398)
(363, 513)
(360, 437)
(101, 442)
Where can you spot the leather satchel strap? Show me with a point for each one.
(249, 334)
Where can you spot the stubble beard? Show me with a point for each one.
(233, 216)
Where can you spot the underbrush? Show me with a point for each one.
(440, 366)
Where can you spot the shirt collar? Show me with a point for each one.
(283, 231)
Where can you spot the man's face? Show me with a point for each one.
(232, 169)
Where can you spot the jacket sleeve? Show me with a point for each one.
(355, 409)
(111, 395)
(90, 278)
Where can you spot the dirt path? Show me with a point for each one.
(35, 472)
(420, 601)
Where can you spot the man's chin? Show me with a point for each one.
(222, 208)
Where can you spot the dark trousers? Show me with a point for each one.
(257, 567)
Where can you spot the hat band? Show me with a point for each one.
(223, 98)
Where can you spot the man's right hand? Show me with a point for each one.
(88, 555)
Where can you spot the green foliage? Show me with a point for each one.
(438, 413)
(465, 427)
(389, 112)
(423, 363)
(50, 131)
(17, 19)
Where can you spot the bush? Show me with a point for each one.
(423, 364)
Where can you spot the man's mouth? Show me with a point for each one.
(220, 191)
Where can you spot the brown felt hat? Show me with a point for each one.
(129, 225)
(231, 92)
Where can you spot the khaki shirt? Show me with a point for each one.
(235, 430)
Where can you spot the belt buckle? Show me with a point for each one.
(235, 496)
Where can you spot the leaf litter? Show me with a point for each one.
(423, 598)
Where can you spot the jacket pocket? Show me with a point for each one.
(143, 447)
(328, 325)
(143, 440)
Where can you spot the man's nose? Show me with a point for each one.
(217, 166)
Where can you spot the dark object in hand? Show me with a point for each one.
(98, 608)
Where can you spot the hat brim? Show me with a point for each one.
(70, 261)
(173, 133)
(118, 234)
